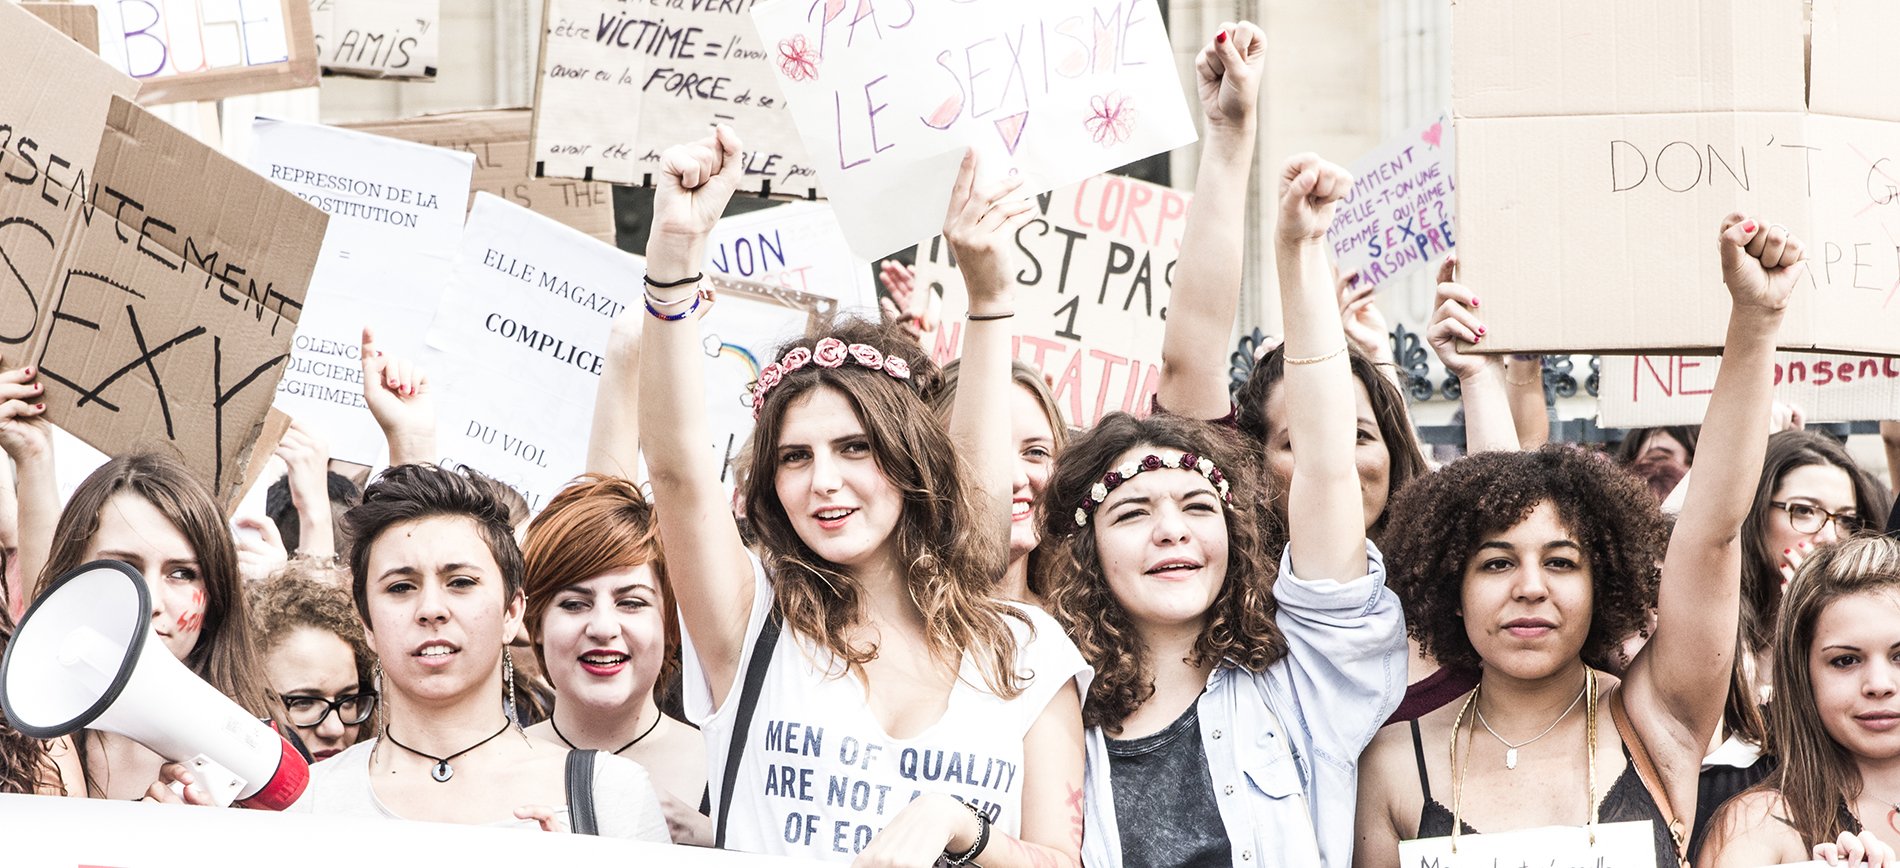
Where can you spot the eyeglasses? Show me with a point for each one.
(309, 711)
(1808, 518)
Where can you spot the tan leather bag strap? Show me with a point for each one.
(1646, 770)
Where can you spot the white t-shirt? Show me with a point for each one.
(820, 778)
(625, 804)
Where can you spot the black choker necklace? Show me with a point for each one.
(656, 725)
(443, 771)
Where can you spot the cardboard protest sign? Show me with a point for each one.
(1644, 391)
(377, 38)
(396, 213)
(521, 332)
(1587, 226)
(1094, 273)
(740, 335)
(211, 50)
(1398, 217)
(797, 246)
(620, 82)
(499, 139)
(76, 20)
(1617, 845)
(49, 137)
(173, 300)
(888, 96)
(62, 833)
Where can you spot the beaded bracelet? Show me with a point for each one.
(672, 317)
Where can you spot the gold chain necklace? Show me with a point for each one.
(1589, 748)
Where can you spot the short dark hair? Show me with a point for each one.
(282, 510)
(1441, 518)
(410, 492)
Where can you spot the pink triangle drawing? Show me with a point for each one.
(1011, 129)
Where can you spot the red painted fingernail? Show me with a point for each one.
(39, 406)
(1749, 226)
(1221, 36)
(28, 372)
(1481, 330)
(1787, 551)
(1474, 301)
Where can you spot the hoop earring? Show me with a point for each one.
(508, 686)
(382, 706)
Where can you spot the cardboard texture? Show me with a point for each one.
(276, 425)
(204, 51)
(1093, 276)
(499, 139)
(76, 20)
(1855, 65)
(378, 38)
(1642, 391)
(49, 137)
(891, 96)
(1597, 232)
(173, 301)
(620, 82)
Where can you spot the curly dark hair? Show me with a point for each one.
(1439, 520)
(1239, 630)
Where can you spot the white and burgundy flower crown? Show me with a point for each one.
(827, 353)
(1114, 478)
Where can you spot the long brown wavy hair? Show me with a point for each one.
(1817, 776)
(952, 552)
(227, 655)
(1239, 629)
(597, 524)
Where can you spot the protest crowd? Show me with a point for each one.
(919, 613)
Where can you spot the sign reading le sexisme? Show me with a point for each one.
(172, 298)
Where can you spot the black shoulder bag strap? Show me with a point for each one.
(580, 792)
(742, 719)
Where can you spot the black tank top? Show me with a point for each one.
(1627, 800)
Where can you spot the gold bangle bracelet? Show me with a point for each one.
(1317, 359)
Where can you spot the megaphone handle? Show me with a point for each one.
(220, 783)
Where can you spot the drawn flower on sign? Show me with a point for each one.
(797, 59)
(1111, 119)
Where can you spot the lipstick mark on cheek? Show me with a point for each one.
(195, 619)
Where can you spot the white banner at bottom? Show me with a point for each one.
(53, 832)
(1618, 845)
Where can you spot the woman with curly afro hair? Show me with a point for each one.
(1532, 566)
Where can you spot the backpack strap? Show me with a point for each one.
(580, 792)
(1646, 770)
(742, 718)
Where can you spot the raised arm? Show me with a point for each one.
(1206, 293)
(706, 560)
(28, 439)
(397, 393)
(980, 227)
(1326, 519)
(1488, 423)
(1524, 389)
(1677, 685)
(306, 460)
(613, 445)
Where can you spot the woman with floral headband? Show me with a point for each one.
(906, 715)
(1230, 706)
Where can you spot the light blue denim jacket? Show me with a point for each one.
(1283, 745)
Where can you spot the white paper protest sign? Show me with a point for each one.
(395, 229)
(888, 94)
(797, 246)
(210, 49)
(1094, 272)
(1645, 391)
(621, 82)
(1617, 845)
(378, 38)
(1399, 216)
(522, 333)
(47, 832)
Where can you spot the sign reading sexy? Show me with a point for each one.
(1641, 391)
(396, 210)
(521, 333)
(1607, 845)
(1094, 272)
(620, 82)
(888, 94)
(177, 290)
(182, 50)
(1398, 217)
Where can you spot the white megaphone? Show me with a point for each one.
(85, 657)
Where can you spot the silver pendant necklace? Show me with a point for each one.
(1510, 750)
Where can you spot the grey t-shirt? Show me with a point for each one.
(1164, 799)
(624, 800)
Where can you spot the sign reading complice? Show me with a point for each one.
(889, 95)
(395, 225)
(1615, 845)
(522, 334)
(1399, 215)
(620, 82)
(1094, 273)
